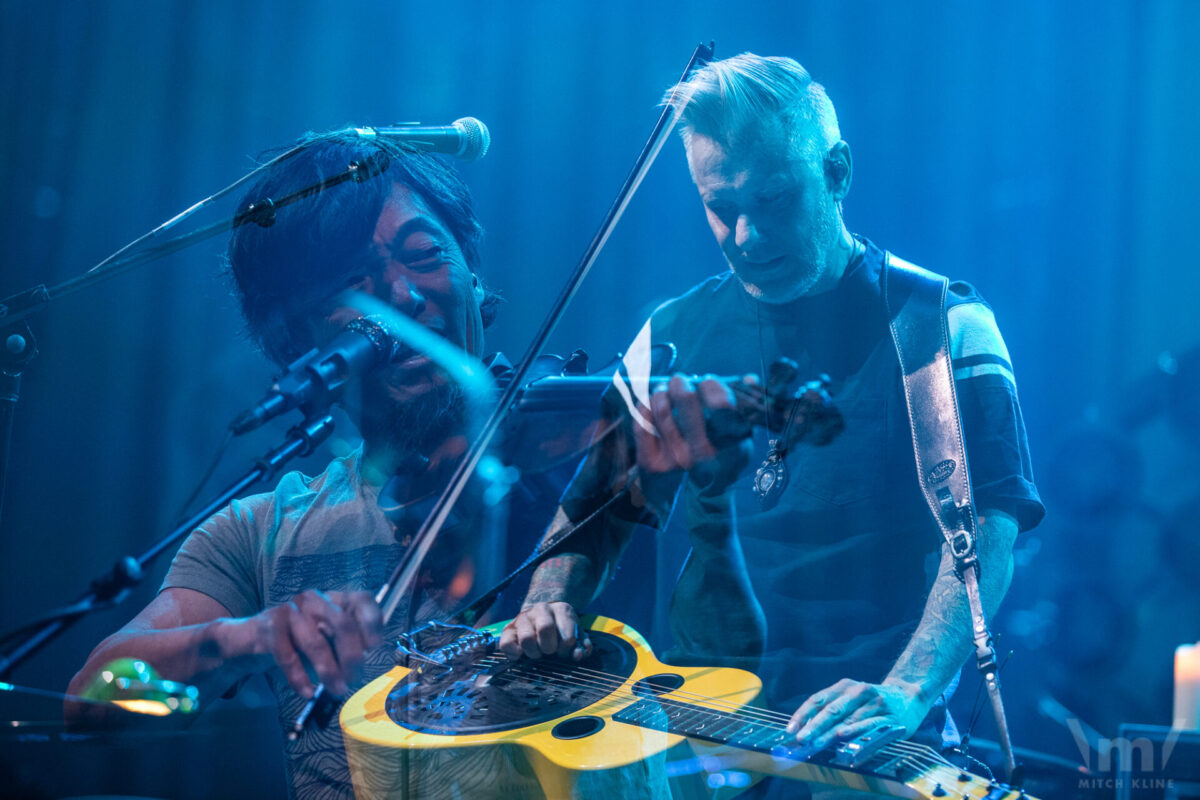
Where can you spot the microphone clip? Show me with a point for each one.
(315, 378)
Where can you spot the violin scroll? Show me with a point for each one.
(798, 411)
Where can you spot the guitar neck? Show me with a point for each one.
(897, 768)
(722, 727)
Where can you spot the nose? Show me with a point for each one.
(407, 298)
(746, 235)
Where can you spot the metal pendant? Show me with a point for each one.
(771, 478)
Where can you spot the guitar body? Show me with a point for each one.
(535, 760)
(470, 723)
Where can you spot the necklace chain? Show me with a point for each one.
(771, 477)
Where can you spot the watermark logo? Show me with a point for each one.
(1100, 754)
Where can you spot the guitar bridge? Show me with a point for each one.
(438, 643)
(860, 750)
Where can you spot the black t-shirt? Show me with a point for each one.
(843, 564)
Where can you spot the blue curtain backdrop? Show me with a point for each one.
(1045, 151)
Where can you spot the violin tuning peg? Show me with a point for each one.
(576, 363)
(782, 372)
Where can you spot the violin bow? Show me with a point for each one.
(403, 576)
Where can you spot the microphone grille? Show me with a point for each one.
(384, 342)
(477, 139)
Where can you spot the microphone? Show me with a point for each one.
(465, 138)
(319, 374)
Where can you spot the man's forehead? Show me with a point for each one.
(761, 151)
(406, 209)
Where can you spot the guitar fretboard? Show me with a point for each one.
(745, 731)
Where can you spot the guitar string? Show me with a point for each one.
(765, 715)
(612, 683)
(616, 682)
(907, 752)
(913, 750)
(916, 759)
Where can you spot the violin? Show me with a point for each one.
(555, 413)
(563, 410)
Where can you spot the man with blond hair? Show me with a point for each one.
(866, 623)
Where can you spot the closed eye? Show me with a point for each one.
(429, 258)
(722, 211)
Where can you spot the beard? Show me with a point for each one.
(421, 423)
(808, 264)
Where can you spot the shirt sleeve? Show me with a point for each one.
(994, 430)
(220, 558)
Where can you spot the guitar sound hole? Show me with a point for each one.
(658, 684)
(485, 692)
(577, 727)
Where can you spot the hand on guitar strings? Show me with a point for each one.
(316, 636)
(850, 708)
(546, 629)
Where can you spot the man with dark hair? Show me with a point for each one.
(281, 583)
(866, 623)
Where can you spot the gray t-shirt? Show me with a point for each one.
(328, 533)
(323, 533)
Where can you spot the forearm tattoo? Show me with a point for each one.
(942, 641)
(569, 578)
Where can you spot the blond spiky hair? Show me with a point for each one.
(726, 99)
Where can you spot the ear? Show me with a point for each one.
(839, 169)
(480, 292)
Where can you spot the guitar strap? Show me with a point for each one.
(915, 300)
(916, 306)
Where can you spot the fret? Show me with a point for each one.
(690, 719)
(773, 736)
(643, 713)
(721, 727)
(747, 735)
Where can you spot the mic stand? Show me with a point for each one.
(112, 587)
(17, 350)
(18, 346)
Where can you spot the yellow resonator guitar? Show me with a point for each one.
(464, 721)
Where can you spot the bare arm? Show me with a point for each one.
(934, 654)
(548, 622)
(673, 440)
(177, 635)
(942, 641)
(188, 636)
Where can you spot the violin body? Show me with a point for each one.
(559, 412)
